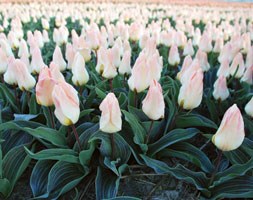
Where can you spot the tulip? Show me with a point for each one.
(44, 87)
(3, 61)
(45, 36)
(139, 79)
(249, 58)
(224, 68)
(80, 74)
(221, 91)
(218, 45)
(116, 57)
(186, 64)
(92, 38)
(37, 62)
(188, 49)
(191, 91)
(205, 43)
(153, 105)
(6, 47)
(188, 71)
(70, 55)
(174, 58)
(247, 76)
(110, 121)
(249, 108)
(10, 75)
(45, 24)
(230, 134)
(101, 59)
(125, 67)
(56, 73)
(203, 61)
(39, 38)
(66, 103)
(237, 63)
(58, 59)
(23, 49)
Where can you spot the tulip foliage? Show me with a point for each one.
(85, 96)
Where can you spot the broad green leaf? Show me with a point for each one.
(14, 164)
(170, 138)
(124, 198)
(85, 112)
(67, 155)
(190, 153)
(100, 93)
(63, 177)
(5, 187)
(51, 135)
(39, 178)
(240, 187)
(107, 184)
(9, 97)
(138, 130)
(194, 120)
(198, 179)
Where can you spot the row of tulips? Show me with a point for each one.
(174, 70)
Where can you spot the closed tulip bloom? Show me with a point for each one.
(44, 87)
(3, 61)
(221, 91)
(6, 47)
(37, 62)
(45, 36)
(249, 57)
(174, 58)
(191, 91)
(249, 108)
(218, 45)
(80, 74)
(205, 43)
(188, 71)
(66, 102)
(203, 61)
(139, 79)
(188, 49)
(58, 59)
(224, 68)
(23, 49)
(10, 75)
(153, 105)
(45, 24)
(186, 64)
(116, 58)
(125, 67)
(247, 76)
(70, 55)
(92, 38)
(237, 63)
(55, 72)
(101, 59)
(230, 134)
(110, 121)
(39, 38)
(110, 70)
(25, 59)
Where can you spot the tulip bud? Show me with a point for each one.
(174, 58)
(125, 67)
(224, 68)
(6, 47)
(80, 74)
(66, 102)
(23, 49)
(3, 61)
(44, 87)
(188, 49)
(70, 55)
(139, 79)
(205, 43)
(249, 108)
(37, 62)
(230, 134)
(247, 76)
(203, 61)
(220, 89)
(249, 58)
(191, 91)
(237, 63)
(115, 51)
(153, 105)
(55, 72)
(110, 121)
(188, 71)
(218, 45)
(58, 59)
(45, 24)
(186, 64)
(92, 38)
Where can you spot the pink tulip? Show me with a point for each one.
(224, 68)
(37, 62)
(66, 102)
(249, 108)
(58, 59)
(237, 67)
(110, 121)
(174, 58)
(153, 105)
(230, 134)
(221, 91)
(203, 61)
(125, 67)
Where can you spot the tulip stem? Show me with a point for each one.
(76, 136)
(216, 167)
(149, 132)
(2, 79)
(112, 145)
(51, 116)
(111, 85)
(28, 96)
(135, 98)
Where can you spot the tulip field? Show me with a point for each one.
(92, 94)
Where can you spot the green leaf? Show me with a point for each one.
(51, 135)
(232, 172)
(190, 153)
(100, 93)
(107, 184)
(9, 97)
(14, 164)
(33, 106)
(24, 117)
(169, 114)
(85, 112)
(63, 177)
(198, 179)
(170, 138)
(39, 178)
(124, 198)
(121, 148)
(67, 155)
(194, 120)
(240, 187)
(138, 130)
(5, 187)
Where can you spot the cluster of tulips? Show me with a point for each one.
(109, 36)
